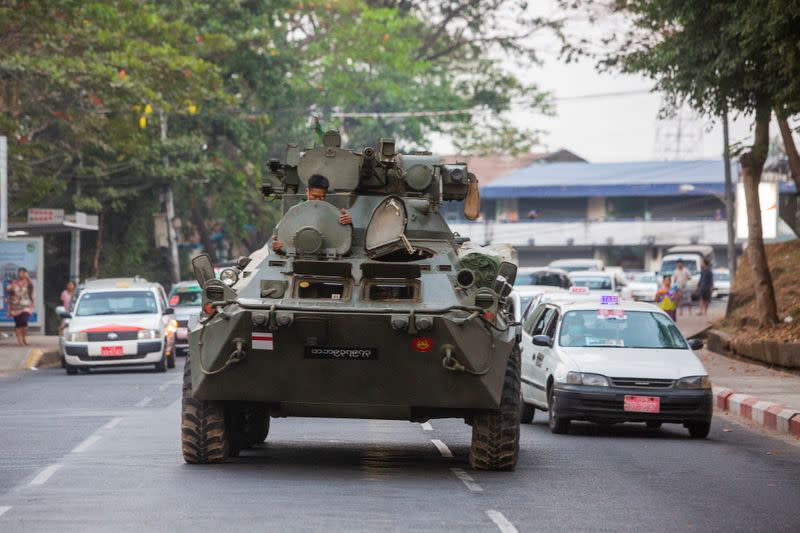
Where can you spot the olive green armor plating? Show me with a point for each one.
(374, 319)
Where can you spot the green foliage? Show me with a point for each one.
(87, 86)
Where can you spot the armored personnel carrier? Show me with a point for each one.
(379, 318)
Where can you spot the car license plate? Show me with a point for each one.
(341, 354)
(643, 404)
(111, 350)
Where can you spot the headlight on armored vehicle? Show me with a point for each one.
(78, 336)
(694, 382)
(229, 277)
(148, 334)
(581, 378)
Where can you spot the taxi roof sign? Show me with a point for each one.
(578, 290)
(609, 299)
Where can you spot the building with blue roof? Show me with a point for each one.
(627, 213)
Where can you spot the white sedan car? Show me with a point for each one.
(611, 362)
(601, 282)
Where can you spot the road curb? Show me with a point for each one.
(776, 416)
(38, 358)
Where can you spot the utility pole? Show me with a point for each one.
(3, 187)
(169, 201)
(729, 208)
(75, 244)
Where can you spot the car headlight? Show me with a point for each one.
(694, 382)
(149, 334)
(78, 336)
(581, 378)
(229, 276)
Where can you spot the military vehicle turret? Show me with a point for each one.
(376, 319)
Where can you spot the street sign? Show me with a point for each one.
(45, 216)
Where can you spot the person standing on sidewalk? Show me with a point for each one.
(705, 287)
(66, 294)
(681, 277)
(20, 304)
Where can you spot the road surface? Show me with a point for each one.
(101, 452)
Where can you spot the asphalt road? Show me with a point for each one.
(100, 452)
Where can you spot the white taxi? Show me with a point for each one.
(119, 321)
(600, 359)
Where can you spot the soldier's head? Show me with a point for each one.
(317, 187)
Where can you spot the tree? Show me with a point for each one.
(720, 56)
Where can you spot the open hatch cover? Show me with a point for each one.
(386, 229)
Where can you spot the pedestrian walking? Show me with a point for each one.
(20, 304)
(66, 294)
(667, 296)
(681, 276)
(705, 287)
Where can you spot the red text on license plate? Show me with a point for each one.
(643, 404)
(111, 350)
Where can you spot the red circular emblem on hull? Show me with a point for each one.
(422, 344)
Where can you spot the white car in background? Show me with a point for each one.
(722, 282)
(643, 286)
(571, 265)
(119, 321)
(598, 282)
(523, 295)
(600, 359)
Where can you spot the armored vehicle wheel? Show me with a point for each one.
(495, 437)
(204, 437)
(526, 413)
(248, 425)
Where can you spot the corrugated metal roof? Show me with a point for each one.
(639, 178)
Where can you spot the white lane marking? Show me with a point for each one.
(44, 475)
(467, 480)
(4, 509)
(427, 426)
(113, 422)
(144, 401)
(83, 446)
(501, 521)
(442, 447)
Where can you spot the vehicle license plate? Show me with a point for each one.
(351, 354)
(111, 350)
(643, 404)
(182, 333)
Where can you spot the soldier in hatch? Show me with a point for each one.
(317, 190)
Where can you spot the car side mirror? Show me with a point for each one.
(509, 271)
(542, 340)
(62, 312)
(695, 344)
(169, 311)
(203, 268)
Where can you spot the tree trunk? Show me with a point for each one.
(791, 150)
(99, 248)
(752, 166)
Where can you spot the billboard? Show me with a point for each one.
(29, 253)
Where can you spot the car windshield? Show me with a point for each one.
(551, 279)
(600, 283)
(117, 303)
(722, 276)
(668, 266)
(645, 278)
(186, 298)
(616, 328)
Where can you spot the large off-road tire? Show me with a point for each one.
(495, 436)
(204, 436)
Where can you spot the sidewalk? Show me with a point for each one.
(43, 349)
(769, 397)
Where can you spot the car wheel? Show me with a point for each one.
(71, 370)
(698, 430)
(558, 425)
(527, 413)
(171, 361)
(161, 366)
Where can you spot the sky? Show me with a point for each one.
(604, 128)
